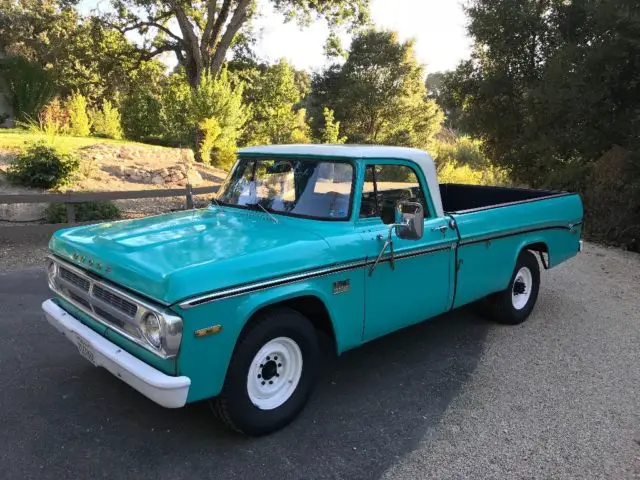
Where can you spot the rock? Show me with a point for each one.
(194, 178)
(129, 171)
(136, 178)
(22, 212)
(157, 180)
(186, 155)
(182, 183)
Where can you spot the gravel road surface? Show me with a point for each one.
(454, 398)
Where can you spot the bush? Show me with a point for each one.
(210, 130)
(106, 122)
(43, 166)
(29, 86)
(85, 212)
(218, 98)
(53, 120)
(79, 124)
(462, 161)
(452, 173)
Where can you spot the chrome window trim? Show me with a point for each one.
(172, 324)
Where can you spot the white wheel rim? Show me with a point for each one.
(274, 373)
(521, 288)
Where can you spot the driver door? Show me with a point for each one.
(418, 283)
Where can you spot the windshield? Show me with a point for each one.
(291, 186)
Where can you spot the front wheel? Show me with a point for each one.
(271, 374)
(514, 305)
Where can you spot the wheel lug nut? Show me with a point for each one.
(275, 358)
(261, 366)
(270, 382)
(277, 374)
(259, 376)
(279, 364)
(268, 358)
(262, 383)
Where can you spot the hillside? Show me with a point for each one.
(110, 165)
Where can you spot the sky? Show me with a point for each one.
(438, 26)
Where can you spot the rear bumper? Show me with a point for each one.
(167, 391)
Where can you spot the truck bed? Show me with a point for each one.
(459, 198)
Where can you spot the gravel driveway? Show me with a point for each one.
(458, 397)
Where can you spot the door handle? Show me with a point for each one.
(441, 229)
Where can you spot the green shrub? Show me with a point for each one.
(106, 122)
(53, 119)
(210, 131)
(43, 166)
(29, 86)
(141, 105)
(85, 212)
(79, 124)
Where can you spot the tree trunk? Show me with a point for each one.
(199, 140)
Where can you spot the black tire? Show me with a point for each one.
(234, 407)
(500, 306)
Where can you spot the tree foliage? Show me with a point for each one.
(83, 54)
(378, 95)
(330, 131)
(553, 84)
(274, 96)
(29, 87)
(207, 29)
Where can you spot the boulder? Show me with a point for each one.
(194, 178)
(157, 180)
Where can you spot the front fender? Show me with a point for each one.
(205, 359)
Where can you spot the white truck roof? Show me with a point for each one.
(362, 152)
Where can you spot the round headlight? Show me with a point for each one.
(152, 329)
(52, 272)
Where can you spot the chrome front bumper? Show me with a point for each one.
(167, 391)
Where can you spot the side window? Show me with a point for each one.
(385, 185)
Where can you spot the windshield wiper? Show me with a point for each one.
(218, 204)
(259, 205)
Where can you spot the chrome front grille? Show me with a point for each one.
(98, 299)
(75, 279)
(116, 301)
(113, 306)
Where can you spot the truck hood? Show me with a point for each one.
(175, 256)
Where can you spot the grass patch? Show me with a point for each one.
(15, 139)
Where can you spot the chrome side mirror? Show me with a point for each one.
(411, 224)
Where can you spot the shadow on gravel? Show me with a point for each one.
(64, 419)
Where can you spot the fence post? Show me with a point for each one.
(189, 197)
(71, 213)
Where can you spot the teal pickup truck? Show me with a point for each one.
(226, 303)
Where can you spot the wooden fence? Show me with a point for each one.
(72, 198)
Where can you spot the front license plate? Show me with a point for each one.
(85, 349)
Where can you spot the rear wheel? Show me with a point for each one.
(514, 305)
(271, 374)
